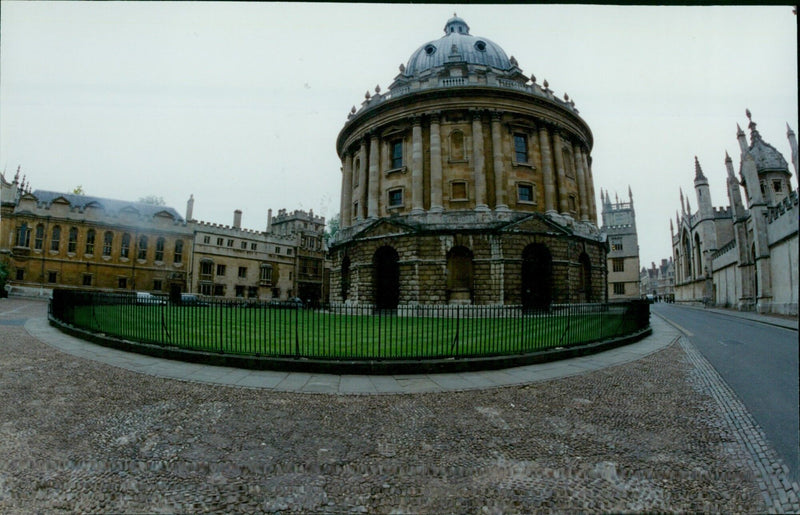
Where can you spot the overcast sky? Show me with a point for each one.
(240, 104)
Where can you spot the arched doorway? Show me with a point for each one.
(459, 275)
(345, 277)
(537, 277)
(386, 278)
(585, 285)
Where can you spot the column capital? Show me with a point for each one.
(435, 116)
(416, 119)
(496, 115)
(476, 114)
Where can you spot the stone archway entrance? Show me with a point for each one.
(585, 288)
(459, 275)
(386, 278)
(537, 277)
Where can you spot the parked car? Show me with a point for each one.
(143, 297)
(190, 299)
(292, 303)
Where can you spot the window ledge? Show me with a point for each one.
(106, 258)
(527, 202)
(458, 160)
(124, 259)
(390, 208)
(523, 165)
(459, 200)
(402, 169)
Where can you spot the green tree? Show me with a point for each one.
(79, 190)
(333, 228)
(153, 200)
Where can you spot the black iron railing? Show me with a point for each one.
(344, 332)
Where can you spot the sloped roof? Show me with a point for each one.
(110, 205)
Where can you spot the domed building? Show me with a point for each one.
(467, 182)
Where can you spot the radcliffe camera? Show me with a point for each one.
(334, 258)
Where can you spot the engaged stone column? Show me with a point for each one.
(436, 165)
(347, 191)
(547, 170)
(477, 155)
(590, 188)
(417, 206)
(374, 177)
(563, 204)
(576, 150)
(499, 173)
(362, 180)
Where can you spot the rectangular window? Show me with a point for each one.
(160, 249)
(20, 274)
(243, 245)
(458, 191)
(126, 245)
(397, 153)
(220, 241)
(72, 242)
(616, 244)
(573, 204)
(777, 186)
(266, 275)
(239, 291)
(520, 148)
(618, 264)
(289, 252)
(277, 250)
(219, 290)
(243, 272)
(122, 282)
(206, 268)
(90, 241)
(178, 256)
(220, 269)
(230, 243)
(56, 239)
(619, 288)
(252, 292)
(254, 246)
(38, 241)
(87, 279)
(525, 193)
(52, 277)
(157, 284)
(108, 239)
(142, 254)
(205, 289)
(396, 197)
(206, 239)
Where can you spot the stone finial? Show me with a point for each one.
(353, 110)
(789, 131)
(16, 175)
(513, 61)
(727, 157)
(739, 131)
(698, 171)
(533, 78)
(366, 95)
(402, 68)
(749, 116)
(545, 84)
(378, 89)
(566, 97)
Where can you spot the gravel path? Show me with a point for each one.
(81, 436)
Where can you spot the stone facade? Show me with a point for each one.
(51, 239)
(619, 224)
(659, 281)
(443, 170)
(744, 255)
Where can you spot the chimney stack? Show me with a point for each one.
(237, 219)
(269, 219)
(190, 207)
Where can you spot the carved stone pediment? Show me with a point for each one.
(536, 223)
(383, 227)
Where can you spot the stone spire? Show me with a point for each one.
(742, 138)
(683, 210)
(793, 145)
(698, 171)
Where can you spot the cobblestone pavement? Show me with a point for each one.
(81, 436)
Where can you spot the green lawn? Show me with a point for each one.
(320, 334)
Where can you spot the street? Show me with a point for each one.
(758, 361)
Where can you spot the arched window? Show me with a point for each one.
(459, 275)
(356, 168)
(569, 167)
(345, 277)
(55, 240)
(178, 256)
(108, 240)
(23, 236)
(457, 146)
(72, 243)
(125, 248)
(142, 253)
(687, 257)
(698, 258)
(160, 249)
(90, 241)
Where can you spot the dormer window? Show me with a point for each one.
(480, 46)
(430, 49)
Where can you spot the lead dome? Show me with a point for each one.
(457, 45)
